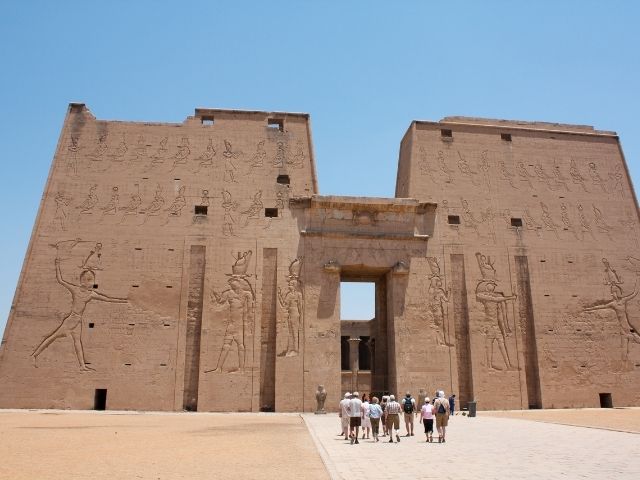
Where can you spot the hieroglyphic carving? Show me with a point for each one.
(548, 222)
(175, 209)
(496, 326)
(629, 332)
(204, 200)
(568, 225)
(601, 224)
(255, 209)
(617, 177)
(425, 166)
(292, 301)
(364, 217)
(120, 152)
(161, 153)
(229, 167)
(227, 221)
(240, 298)
(485, 168)
(530, 223)
(559, 179)
(258, 158)
(206, 159)
(437, 298)
(465, 169)
(140, 150)
(111, 208)
(506, 174)
(576, 176)
(181, 156)
(596, 179)
(101, 148)
(81, 295)
(155, 207)
(524, 174)
(72, 155)
(585, 226)
(90, 202)
(469, 220)
(131, 208)
(62, 209)
(281, 155)
(297, 160)
(545, 178)
(447, 173)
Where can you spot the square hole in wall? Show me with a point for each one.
(446, 133)
(201, 209)
(271, 212)
(453, 219)
(207, 120)
(506, 137)
(283, 180)
(276, 124)
(516, 222)
(91, 325)
(95, 285)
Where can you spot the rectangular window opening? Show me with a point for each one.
(207, 120)
(506, 137)
(283, 180)
(271, 212)
(605, 400)
(453, 219)
(100, 399)
(91, 325)
(276, 124)
(516, 222)
(201, 209)
(446, 133)
(95, 286)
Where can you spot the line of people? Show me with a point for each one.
(358, 413)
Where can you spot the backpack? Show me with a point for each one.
(408, 405)
(441, 408)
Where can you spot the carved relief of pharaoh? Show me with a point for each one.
(292, 302)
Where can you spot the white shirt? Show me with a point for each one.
(344, 407)
(355, 407)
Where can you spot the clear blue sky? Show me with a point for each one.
(362, 69)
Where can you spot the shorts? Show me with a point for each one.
(442, 419)
(428, 425)
(393, 421)
(355, 421)
(408, 417)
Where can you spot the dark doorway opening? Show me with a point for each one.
(100, 399)
(606, 401)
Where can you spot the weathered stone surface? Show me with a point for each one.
(194, 266)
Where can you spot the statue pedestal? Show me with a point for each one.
(320, 412)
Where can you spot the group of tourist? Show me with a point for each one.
(359, 413)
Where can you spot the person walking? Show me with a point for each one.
(426, 415)
(375, 413)
(355, 417)
(343, 413)
(393, 418)
(383, 406)
(452, 403)
(408, 407)
(366, 421)
(443, 410)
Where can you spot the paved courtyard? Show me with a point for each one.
(56, 445)
(484, 448)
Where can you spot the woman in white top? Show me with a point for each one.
(366, 421)
(426, 414)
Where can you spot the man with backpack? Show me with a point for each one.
(408, 407)
(441, 406)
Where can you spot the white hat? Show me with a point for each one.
(356, 394)
(347, 395)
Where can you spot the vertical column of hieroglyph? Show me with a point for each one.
(528, 332)
(461, 322)
(267, 401)
(194, 327)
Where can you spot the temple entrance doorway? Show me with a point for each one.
(363, 327)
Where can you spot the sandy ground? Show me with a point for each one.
(56, 445)
(621, 419)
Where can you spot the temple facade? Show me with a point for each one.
(195, 266)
